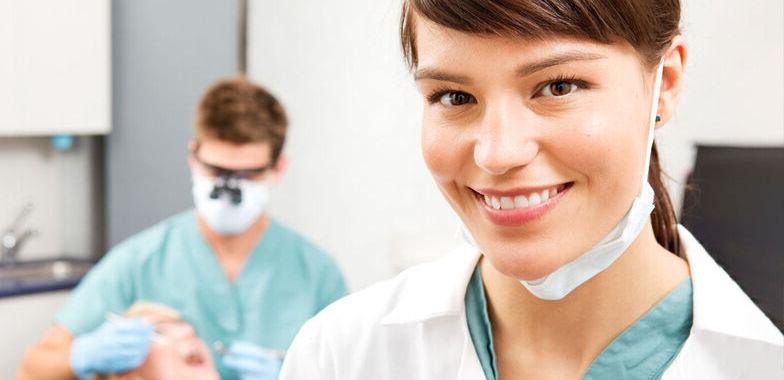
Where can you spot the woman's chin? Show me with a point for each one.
(526, 267)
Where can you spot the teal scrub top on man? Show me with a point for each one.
(285, 281)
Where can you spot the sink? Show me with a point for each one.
(42, 275)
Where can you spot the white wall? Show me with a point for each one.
(734, 85)
(357, 184)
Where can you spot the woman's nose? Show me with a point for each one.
(506, 139)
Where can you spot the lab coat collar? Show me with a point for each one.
(714, 292)
(435, 289)
(438, 289)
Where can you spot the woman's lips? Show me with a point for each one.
(518, 208)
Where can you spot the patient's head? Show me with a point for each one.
(176, 351)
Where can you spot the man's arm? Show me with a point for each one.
(107, 288)
(49, 358)
(118, 345)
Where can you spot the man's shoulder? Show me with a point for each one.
(151, 241)
(295, 243)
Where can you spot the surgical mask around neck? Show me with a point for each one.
(568, 277)
(229, 206)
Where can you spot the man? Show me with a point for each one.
(245, 282)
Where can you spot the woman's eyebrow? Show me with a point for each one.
(435, 74)
(555, 60)
(522, 71)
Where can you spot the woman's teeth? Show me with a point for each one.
(520, 201)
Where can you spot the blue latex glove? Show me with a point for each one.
(252, 362)
(116, 346)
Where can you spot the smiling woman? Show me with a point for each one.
(538, 122)
(567, 122)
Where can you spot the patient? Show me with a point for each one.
(176, 352)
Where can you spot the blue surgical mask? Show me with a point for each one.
(229, 210)
(568, 277)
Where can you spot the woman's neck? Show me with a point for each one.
(571, 332)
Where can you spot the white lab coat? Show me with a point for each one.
(414, 327)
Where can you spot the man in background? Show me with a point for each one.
(244, 281)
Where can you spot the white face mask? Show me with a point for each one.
(222, 215)
(562, 281)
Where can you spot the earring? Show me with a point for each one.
(658, 118)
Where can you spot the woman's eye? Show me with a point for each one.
(456, 98)
(559, 88)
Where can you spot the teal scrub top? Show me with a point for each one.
(642, 351)
(285, 281)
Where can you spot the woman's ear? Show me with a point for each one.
(672, 79)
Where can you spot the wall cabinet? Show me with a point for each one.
(55, 67)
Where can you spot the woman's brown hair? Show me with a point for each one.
(648, 25)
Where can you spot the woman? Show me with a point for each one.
(538, 129)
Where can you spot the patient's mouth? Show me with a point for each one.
(192, 356)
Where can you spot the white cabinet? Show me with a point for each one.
(55, 67)
(23, 322)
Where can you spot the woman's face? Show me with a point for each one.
(538, 145)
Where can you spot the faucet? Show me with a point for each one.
(12, 239)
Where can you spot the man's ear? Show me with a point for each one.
(191, 150)
(279, 169)
(672, 79)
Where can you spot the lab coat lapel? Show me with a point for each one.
(435, 289)
(433, 300)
